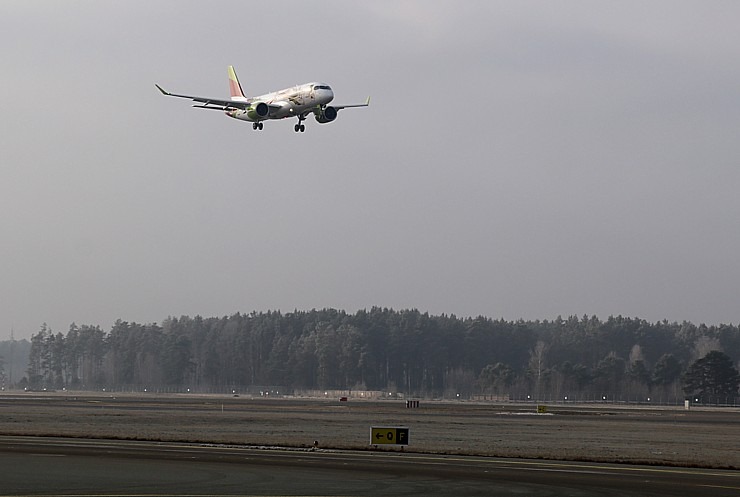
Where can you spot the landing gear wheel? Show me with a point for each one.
(300, 126)
(261, 125)
(257, 125)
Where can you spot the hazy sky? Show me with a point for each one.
(520, 159)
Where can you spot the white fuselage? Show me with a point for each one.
(291, 102)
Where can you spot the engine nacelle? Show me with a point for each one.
(257, 111)
(325, 115)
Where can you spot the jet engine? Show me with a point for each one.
(257, 111)
(325, 115)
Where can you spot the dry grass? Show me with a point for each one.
(669, 436)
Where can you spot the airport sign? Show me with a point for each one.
(389, 435)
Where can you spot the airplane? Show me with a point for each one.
(299, 101)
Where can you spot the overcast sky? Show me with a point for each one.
(520, 159)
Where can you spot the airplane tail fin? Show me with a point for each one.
(234, 87)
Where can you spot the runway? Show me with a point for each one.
(35, 466)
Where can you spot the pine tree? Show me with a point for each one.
(712, 378)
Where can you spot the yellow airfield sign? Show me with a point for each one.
(391, 435)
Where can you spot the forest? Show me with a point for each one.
(401, 353)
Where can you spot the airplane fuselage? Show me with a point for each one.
(290, 102)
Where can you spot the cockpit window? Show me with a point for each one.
(321, 87)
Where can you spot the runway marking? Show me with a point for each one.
(600, 468)
(720, 486)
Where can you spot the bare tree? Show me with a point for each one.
(537, 366)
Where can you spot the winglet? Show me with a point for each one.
(160, 89)
(367, 102)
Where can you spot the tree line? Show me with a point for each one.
(393, 351)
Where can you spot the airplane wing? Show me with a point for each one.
(209, 103)
(340, 107)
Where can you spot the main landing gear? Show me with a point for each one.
(300, 126)
(257, 125)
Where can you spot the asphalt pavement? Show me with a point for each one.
(37, 465)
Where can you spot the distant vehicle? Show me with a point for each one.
(299, 102)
